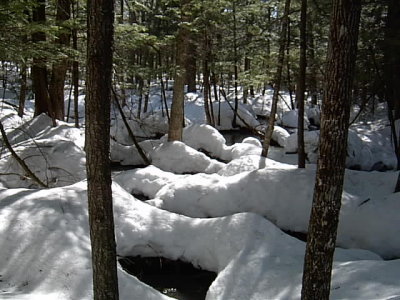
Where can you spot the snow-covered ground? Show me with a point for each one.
(221, 208)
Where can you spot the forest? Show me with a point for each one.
(198, 149)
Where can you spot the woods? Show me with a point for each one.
(279, 115)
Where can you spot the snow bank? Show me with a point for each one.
(179, 158)
(290, 119)
(279, 193)
(45, 251)
(48, 151)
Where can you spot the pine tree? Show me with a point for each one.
(333, 145)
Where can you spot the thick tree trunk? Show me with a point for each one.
(392, 75)
(277, 80)
(177, 108)
(191, 68)
(333, 145)
(301, 85)
(392, 57)
(99, 69)
(56, 88)
(39, 69)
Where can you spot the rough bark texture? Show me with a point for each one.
(39, 70)
(277, 80)
(177, 108)
(191, 67)
(22, 94)
(301, 85)
(99, 64)
(333, 145)
(59, 70)
(392, 57)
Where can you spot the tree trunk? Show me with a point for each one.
(101, 221)
(75, 68)
(206, 80)
(288, 74)
(39, 69)
(56, 89)
(278, 79)
(177, 108)
(392, 57)
(392, 75)
(190, 66)
(236, 61)
(22, 93)
(333, 145)
(301, 85)
(313, 65)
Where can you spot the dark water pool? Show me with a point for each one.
(173, 278)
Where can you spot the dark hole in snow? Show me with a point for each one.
(174, 278)
(116, 166)
(298, 235)
(140, 196)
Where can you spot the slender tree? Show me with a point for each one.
(301, 85)
(333, 145)
(99, 68)
(278, 79)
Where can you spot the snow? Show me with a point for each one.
(222, 208)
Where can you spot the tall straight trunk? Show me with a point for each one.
(206, 92)
(312, 61)
(392, 57)
(140, 88)
(277, 80)
(75, 66)
(177, 109)
(206, 79)
(247, 64)
(392, 75)
(22, 93)
(39, 70)
(98, 101)
(288, 74)
(301, 84)
(190, 66)
(267, 50)
(236, 62)
(59, 70)
(75, 82)
(328, 188)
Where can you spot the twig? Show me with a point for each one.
(19, 160)
(131, 135)
(252, 129)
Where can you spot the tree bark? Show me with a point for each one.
(392, 57)
(333, 145)
(301, 85)
(22, 93)
(59, 70)
(101, 221)
(39, 70)
(177, 109)
(236, 62)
